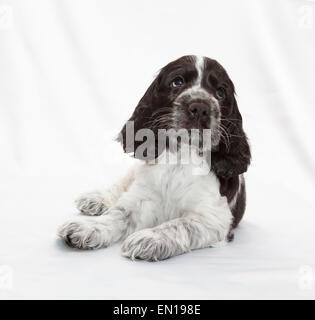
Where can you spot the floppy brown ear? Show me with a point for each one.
(232, 156)
(140, 119)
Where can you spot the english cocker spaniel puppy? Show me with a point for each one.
(189, 191)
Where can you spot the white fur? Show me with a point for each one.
(199, 64)
(167, 210)
(96, 203)
(232, 203)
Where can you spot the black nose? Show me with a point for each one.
(199, 109)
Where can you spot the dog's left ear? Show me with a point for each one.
(140, 119)
(232, 157)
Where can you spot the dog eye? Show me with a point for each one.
(177, 82)
(220, 93)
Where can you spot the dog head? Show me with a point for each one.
(191, 93)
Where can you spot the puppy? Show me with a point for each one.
(187, 193)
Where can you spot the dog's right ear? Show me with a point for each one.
(140, 119)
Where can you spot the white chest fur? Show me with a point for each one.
(169, 190)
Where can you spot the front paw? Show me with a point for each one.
(92, 204)
(81, 234)
(147, 245)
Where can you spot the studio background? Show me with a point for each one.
(72, 72)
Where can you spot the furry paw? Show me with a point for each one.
(91, 204)
(82, 234)
(149, 245)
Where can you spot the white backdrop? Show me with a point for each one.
(71, 73)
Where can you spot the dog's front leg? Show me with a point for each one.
(135, 209)
(176, 237)
(97, 203)
(99, 232)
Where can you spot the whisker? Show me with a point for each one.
(225, 135)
